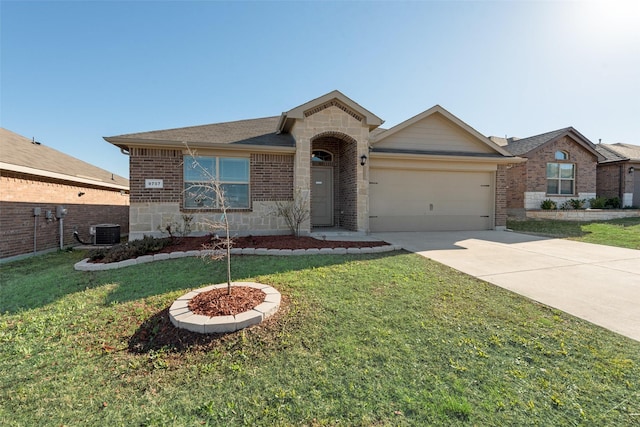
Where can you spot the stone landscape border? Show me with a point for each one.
(182, 317)
(85, 265)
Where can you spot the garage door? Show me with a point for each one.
(410, 200)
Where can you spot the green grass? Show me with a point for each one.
(624, 232)
(364, 340)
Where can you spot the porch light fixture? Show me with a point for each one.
(631, 169)
(363, 160)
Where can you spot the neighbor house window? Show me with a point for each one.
(232, 174)
(562, 155)
(561, 178)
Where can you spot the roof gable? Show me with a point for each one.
(331, 99)
(531, 144)
(20, 154)
(436, 130)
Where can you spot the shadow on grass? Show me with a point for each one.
(158, 334)
(549, 228)
(188, 273)
(42, 280)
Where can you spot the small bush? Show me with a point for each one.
(613, 203)
(548, 205)
(598, 203)
(574, 204)
(129, 250)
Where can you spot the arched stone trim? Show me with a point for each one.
(335, 134)
(334, 103)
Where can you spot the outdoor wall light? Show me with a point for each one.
(80, 194)
(363, 160)
(631, 169)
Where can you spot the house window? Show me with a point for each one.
(560, 178)
(562, 155)
(201, 172)
(321, 156)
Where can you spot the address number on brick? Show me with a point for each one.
(153, 183)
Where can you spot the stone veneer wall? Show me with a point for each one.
(332, 121)
(584, 214)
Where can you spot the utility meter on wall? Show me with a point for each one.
(61, 211)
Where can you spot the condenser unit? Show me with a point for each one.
(106, 234)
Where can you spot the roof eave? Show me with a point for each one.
(169, 144)
(61, 176)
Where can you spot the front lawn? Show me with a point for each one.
(624, 232)
(364, 340)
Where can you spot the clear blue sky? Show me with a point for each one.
(73, 72)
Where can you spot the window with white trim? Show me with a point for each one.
(232, 174)
(561, 178)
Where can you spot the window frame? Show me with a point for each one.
(206, 179)
(320, 160)
(559, 179)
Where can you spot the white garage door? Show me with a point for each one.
(410, 200)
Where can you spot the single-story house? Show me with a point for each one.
(561, 165)
(46, 195)
(619, 173)
(431, 172)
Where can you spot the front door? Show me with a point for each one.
(321, 196)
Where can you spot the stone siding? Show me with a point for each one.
(584, 214)
(500, 220)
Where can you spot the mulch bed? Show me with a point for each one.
(266, 242)
(218, 302)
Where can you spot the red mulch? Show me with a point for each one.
(266, 242)
(218, 302)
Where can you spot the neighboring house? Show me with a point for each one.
(619, 173)
(561, 165)
(37, 182)
(431, 172)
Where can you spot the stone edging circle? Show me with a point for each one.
(182, 317)
(85, 265)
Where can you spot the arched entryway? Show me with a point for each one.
(334, 183)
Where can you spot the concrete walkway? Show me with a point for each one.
(597, 283)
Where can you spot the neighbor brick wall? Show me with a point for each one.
(608, 180)
(584, 160)
(21, 193)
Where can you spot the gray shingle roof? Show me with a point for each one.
(253, 131)
(17, 150)
(619, 151)
(518, 147)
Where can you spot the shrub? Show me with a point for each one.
(598, 203)
(132, 249)
(613, 203)
(548, 205)
(573, 204)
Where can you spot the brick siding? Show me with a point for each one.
(531, 176)
(21, 193)
(147, 163)
(271, 177)
(501, 197)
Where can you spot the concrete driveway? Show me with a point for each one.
(597, 283)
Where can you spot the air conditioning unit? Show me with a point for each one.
(106, 234)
